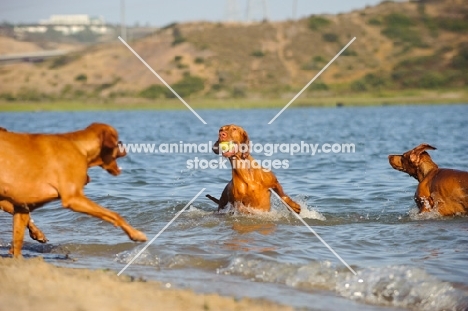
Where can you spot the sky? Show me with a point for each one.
(160, 13)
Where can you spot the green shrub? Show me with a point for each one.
(216, 87)
(80, 94)
(460, 61)
(316, 63)
(318, 86)
(257, 53)
(199, 60)
(178, 38)
(370, 81)
(81, 77)
(399, 27)
(317, 22)
(424, 72)
(63, 60)
(28, 94)
(238, 91)
(7, 96)
(177, 58)
(349, 52)
(375, 81)
(330, 37)
(431, 25)
(319, 59)
(375, 21)
(432, 80)
(188, 85)
(155, 91)
(359, 86)
(398, 20)
(454, 25)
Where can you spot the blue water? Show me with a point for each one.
(355, 201)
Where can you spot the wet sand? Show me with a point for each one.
(32, 284)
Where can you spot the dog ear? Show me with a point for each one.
(109, 138)
(416, 152)
(246, 143)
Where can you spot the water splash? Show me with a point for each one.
(395, 286)
(401, 286)
(146, 258)
(414, 214)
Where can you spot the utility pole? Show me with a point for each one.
(123, 28)
(294, 9)
(253, 5)
(232, 12)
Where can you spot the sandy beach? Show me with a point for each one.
(33, 284)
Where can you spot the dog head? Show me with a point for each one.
(110, 147)
(415, 162)
(239, 142)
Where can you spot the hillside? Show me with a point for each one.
(399, 46)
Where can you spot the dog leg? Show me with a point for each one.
(34, 232)
(84, 205)
(279, 190)
(20, 220)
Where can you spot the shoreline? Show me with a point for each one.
(35, 284)
(129, 104)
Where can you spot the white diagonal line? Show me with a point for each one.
(162, 80)
(160, 232)
(307, 85)
(315, 233)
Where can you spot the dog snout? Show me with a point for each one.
(222, 135)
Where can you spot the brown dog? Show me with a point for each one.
(444, 190)
(39, 168)
(250, 185)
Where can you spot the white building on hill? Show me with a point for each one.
(67, 25)
(76, 19)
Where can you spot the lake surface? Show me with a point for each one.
(355, 201)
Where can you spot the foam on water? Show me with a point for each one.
(401, 286)
(278, 212)
(396, 286)
(146, 258)
(313, 275)
(414, 214)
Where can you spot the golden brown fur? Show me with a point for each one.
(444, 189)
(250, 186)
(39, 168)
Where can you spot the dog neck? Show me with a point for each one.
(88, 144)
(243, 168)
(426, 167)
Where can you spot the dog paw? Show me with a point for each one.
(295, 207)
(38, 236)
(138, 236)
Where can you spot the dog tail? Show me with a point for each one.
(212, 199)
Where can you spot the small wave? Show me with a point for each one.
(395, 286)
(146, 258)
(402, 286)
(171, 261)
(312, 275)
(194, 211)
